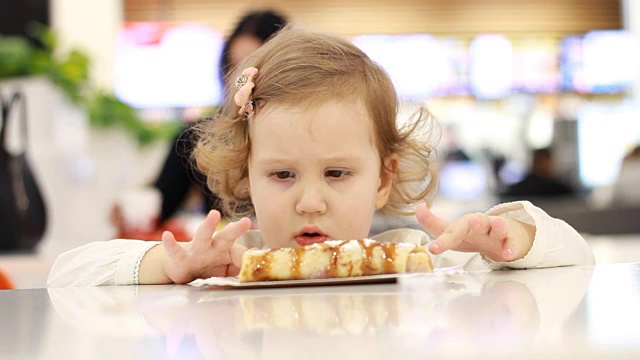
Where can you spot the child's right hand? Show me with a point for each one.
(209, 253)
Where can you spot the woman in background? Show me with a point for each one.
(179, 182)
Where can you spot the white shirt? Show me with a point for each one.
(116, 262)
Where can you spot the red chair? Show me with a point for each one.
(5, 281)
(176, 226)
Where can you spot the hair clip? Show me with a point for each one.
(245, 85)
(247, 110)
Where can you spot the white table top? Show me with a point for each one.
(572, 312)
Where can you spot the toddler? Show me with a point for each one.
(308, 143)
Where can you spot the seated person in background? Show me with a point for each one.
(179, 182)
(626, 190)
(178, 176)
(540, 181)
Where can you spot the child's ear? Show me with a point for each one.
(387, 174)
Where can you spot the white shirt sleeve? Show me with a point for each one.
(556, 243)
(113, 262)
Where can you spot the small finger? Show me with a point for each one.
(205, 230)
(499, 229)
(236, 253)
(495, 255)
(429, 221)
(480, 230)
(479, 224)
(232, 270)
(171, 246)
(232, 231)
(499, 232)
(484, 238)
(451, 237)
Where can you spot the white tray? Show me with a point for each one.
(369, 279)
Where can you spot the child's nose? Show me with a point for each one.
(311, 200)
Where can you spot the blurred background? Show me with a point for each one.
(537, 100)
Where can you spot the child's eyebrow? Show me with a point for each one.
(343, 159)
(339, 159)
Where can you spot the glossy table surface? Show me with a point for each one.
(572, 312)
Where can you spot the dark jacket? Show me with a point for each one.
(179, 174)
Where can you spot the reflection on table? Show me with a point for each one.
(571, 312)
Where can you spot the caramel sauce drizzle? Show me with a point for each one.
(262, 267)
(296, 259)
(262, 264)
(332, 267)
(367, 265)
(388, 257)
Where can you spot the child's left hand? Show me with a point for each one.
(496, 237)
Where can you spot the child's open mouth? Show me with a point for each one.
(310, 238)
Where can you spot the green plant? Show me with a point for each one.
(105, 110)
(70, 73)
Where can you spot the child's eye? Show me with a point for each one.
(283, 174)
(337, 173)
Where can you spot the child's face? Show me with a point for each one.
(315, 173)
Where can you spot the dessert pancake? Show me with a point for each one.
(334, 259)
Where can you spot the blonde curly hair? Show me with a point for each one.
(310, 68)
